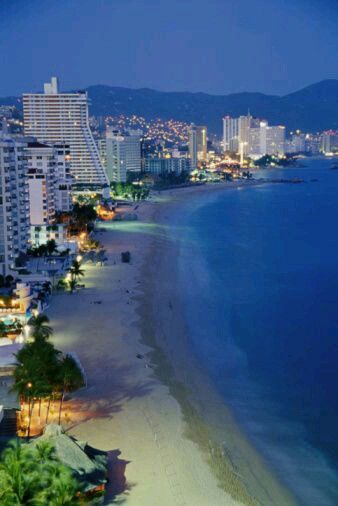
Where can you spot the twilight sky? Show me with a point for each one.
(215, 46)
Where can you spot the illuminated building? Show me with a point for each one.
(63, 184)
(174, 165)
(49, 179)
(266, 140)
(230, 134)
(14, 201)
(41, 163)
(123, 152)
(329, 142)
(102, 147)
(54, 117)
(198, 144)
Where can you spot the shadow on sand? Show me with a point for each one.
(117, 488)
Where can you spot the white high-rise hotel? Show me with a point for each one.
(54, 117)
(198, 144)
(123, 154)
(253, 137)
(14, 201)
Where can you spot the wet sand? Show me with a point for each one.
(146, 392)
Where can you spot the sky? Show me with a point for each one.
(212, 46)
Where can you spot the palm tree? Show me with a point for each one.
(45, 452)
(72, 284)
(63, 488)
(70, 379)
(20, 485)
(40, 326)
(35, 374)
(25, 377)
(34, 475)
(51, 247)
(61, 284)
(75, 270)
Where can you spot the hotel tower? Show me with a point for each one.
(54, 118)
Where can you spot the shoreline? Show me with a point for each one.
(136, 406)
(237, 466)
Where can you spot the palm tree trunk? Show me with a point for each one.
(40, 400)
(48, 407)
(29, 410)
(30, 418)
(61, 403)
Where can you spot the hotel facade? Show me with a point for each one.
(14, 201)
(53, 118)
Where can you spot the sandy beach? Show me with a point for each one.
(146, 392)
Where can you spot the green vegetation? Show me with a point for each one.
(171, 179)
(272, 160)
(34, 475)
(130, 191)
(43, 372)
(75, 272)
(6, 281)
(48, 249)
(82, 218)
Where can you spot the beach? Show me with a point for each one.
(147, 398)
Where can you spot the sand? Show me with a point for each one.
(140, 403)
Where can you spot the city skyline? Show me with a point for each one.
(172, 49)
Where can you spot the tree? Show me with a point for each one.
(34, 475)
(3, 329)
(51, 247)
(40, 326)
(17, 485)
(63, 488)
(72, 284)
(36, 372)
(9, 280)
(75, 270)
(70, 378)
(82, 216)
(61, 284)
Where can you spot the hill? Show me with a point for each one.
(311, 109)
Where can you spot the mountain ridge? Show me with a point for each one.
(313, 108)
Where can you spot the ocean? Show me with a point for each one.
(260, 271)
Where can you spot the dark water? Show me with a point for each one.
(263, 314)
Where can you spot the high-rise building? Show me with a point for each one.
(41, 163)
(245, 123)
(123, 153)
(198, 145)
(53, 117)
(329, 142)
(102, 147)
(297, 143)
(230, 134)
(14, 201)
(163, 165)
(266, 140)
(50, 182)
(64, 180)
(275, 140)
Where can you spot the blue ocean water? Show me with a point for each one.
(263, 317)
